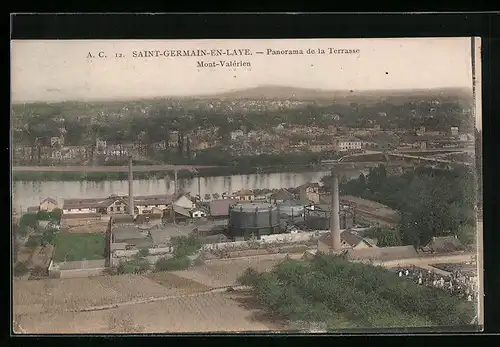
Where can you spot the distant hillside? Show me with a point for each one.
(272, 92)
(305, 94)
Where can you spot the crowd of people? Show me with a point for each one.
(456, 283)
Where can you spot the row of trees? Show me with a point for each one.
(342, 294)
(431, 202)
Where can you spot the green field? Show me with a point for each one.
(74, 247)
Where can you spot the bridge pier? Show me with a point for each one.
(335, 214)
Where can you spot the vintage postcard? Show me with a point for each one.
(226, 186)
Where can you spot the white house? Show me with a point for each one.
(349, 145)
(110, 205)
(236, 134)
(151, 204)
(198, 213)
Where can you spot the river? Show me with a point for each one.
(25, 194)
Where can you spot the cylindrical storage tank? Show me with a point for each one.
(291, 210)
(247, 219)
(320, 219)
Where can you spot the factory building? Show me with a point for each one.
(319, 218)
(247, 220)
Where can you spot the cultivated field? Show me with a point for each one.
(203, 313)
(159, 302)
(177, 283)
(56, 295)
(220, 273)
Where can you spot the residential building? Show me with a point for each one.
(309, 192)
(219, 209)
(152, 204)
(349, 240)
(198, 213)
(236, 134)
(349, 145)
(57, 141)
(454, 131)
(245, 195)
(281, 196)
(111, 205)
(443, 244)
(318, 148)
(33, 209)
(420, 131)
(48, 204)
(382, 253)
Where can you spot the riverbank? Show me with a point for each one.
(45, 176)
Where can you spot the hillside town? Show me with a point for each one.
(281, 139)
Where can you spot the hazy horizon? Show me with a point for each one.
(59, 70)
(222, 93)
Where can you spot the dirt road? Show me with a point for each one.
(452, 259)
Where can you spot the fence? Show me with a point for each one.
(121, 253)
(283, 238)
(74, 273)
(74, 269)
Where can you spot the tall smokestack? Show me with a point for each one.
(335, 214)
(130, 187)
(175, 182)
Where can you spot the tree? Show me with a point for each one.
(28, 220)
(185, 246)
(467, 234)
(331, 290)
(172, 264)
(388, 238)
(136, 265)
(143, 252)
(188, 148)
(21, 269)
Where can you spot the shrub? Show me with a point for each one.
(172, 264)
(34, 241)
(21, 269)
(29, 220)
(44, 215)
(143, 252)
(134, 266)
(38, 271)
(332, 289)
(48, 237)
(185, 246)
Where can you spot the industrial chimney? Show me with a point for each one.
(335, 214)
(130, 187)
